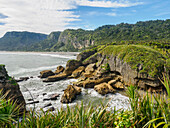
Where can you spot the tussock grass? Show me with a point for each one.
(147, 111)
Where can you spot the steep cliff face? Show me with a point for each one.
(138, 65)
(8, 84)
(75, 39)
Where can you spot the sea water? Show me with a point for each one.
(29, 64)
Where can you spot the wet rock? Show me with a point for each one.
(118, 85)
(56, 77)
(70, 94)
(76, 73)
(44, 94)
(104, 88)
(59, 69)
(54, 96)
(47, 105)
(71, 66)
(34, 102)
(91, 83)
(30, 99)
(46, 73)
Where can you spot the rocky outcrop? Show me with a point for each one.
(56, 77)
(104, 88)
(46, 73)
(70, 94)
(77, 73)
(9, 85)
(60, 69)
(71, 66)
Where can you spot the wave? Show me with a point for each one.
(67, 55)
(28, 70)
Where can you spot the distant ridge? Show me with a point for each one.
(77, 40)
(19, 41)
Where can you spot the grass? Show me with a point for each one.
(152, 61)
(151, 111)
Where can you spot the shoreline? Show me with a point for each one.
(58, 53)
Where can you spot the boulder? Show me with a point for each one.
(85, 54)
(70, 94)
(90, 70)
(59, 69)
(46, 73)
(71, 66)
(56, 77)
(91, 83)
(76, 73)
(104, 88)
(118, 85)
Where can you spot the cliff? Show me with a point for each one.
(19, 41)
(10, 86)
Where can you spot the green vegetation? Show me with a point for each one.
(12, 81)
(19, 41)
(146, 111)
(8, 111)
(150, 33)
(152, 61)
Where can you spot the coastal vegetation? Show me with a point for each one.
(145, 111)
(150, 33)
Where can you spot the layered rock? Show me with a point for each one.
(9, 85)
(77, 73)
(71, 66)
(56, 77)
(46, 73)
(104, 88)
(70, 94)
(60, 69)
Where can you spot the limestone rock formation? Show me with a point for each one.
(70, 94)
(76, 73)
(71, 66)
(8, 84)
(104, 88)
(56, 77)
(59, 69)
(46, 73)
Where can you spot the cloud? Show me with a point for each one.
(46, 15)
(111, 14)
(107, 4)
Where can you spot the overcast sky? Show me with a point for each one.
(45, 16)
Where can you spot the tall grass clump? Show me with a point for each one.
(150, 110)
(8, 111)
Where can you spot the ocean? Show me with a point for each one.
(29, 64)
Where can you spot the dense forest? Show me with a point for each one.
(151, 33)
(18, 41)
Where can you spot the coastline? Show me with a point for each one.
(58, 53)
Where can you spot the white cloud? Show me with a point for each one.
(106, 3)
(111, 14)
(45, 15)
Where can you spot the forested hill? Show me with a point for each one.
(19, 41)
(155, 32)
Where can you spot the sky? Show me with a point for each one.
(45, 16)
